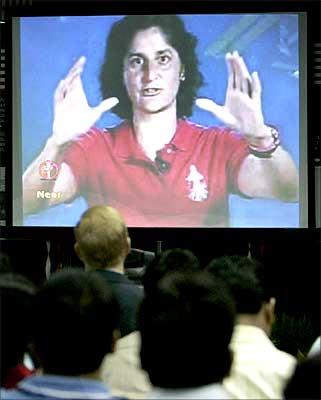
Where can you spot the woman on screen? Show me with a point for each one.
(157, 168)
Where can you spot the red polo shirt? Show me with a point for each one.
(186, 186)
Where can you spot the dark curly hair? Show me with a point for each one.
(118, 44)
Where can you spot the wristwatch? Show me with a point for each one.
(266, 152)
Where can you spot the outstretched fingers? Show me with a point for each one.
(256, 85)
(246, 79)
(75, 70)
(230, 71)
(59, 94)
(239, 77)
(72, 78)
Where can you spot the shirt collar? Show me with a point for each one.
(127, 147)
(250, 333)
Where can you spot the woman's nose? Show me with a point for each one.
(150, 71)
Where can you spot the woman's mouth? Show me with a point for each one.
(151, 91)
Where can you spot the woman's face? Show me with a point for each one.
(152, 72)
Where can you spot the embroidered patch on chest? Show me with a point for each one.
(197, 186)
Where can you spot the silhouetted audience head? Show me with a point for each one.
(26, 257)
(101, 237)
(168, 261)
(248, 283)
(16, 307)
(186, 327)
(76, 317)
(305, 381)
(246, 280)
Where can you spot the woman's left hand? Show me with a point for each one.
(242, 110)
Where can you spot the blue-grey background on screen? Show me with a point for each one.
(269, 44)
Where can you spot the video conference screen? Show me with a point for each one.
(160, 161)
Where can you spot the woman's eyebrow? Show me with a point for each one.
(135, 54)
(160, 52)
(139, 54)
(165, 52)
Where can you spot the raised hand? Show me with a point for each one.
(72, 113)
(242, 109)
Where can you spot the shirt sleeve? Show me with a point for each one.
(76, 159)
(237, 150)
(80, 156)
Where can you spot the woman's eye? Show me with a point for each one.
(136, 61)
(164, 59)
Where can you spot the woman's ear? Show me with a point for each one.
(182, 73)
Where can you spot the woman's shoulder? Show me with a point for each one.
(97, 136)
(205, 132)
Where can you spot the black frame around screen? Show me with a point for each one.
(87, 7)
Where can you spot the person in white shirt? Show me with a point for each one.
(259, 370)
(315, 348)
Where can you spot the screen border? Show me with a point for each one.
(51, 8)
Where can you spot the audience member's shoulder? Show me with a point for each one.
(287, 357)
(284, 362)
(136, 287)
(13, 394)
(131, 340)
(315, 348)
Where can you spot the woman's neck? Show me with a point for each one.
(154, 131)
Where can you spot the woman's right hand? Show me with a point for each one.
(72, 113)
